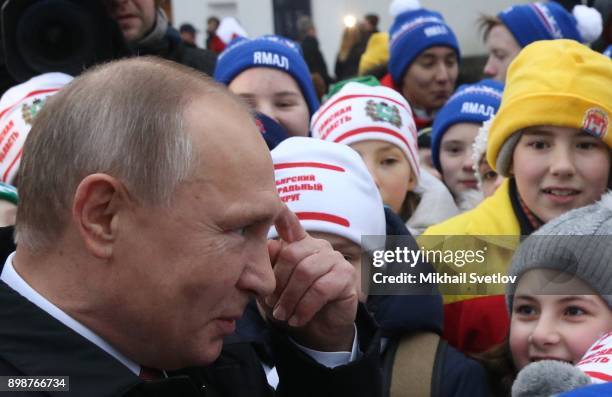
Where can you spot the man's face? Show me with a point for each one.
(190, 269)
(430, 79)
(134, 17)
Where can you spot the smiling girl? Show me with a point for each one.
(551, 139)
(560, 303)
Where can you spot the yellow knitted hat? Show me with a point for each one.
(552, 82)
(376, 53)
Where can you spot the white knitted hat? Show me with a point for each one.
(329, 188)
(359, 112)
(18, 108)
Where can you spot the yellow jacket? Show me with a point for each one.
(475, 314)
(493, 217)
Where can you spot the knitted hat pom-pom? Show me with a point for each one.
(590, 23)
(399, 6)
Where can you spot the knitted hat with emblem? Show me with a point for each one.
(558, 83)
(471, 103)
(363, 113)
(268, 51)
(577, 243)
(329, 188)
(548, 20)
(414, 30)
(18, 107)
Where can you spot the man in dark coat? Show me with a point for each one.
(141, 236)
(310, 49)
(146, 30)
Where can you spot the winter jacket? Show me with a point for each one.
(397, 315)
(436, 204)
(475, 321)
(165, 42)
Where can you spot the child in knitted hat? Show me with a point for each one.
(377, 123)
(454, 131)
(423, 58)
(18, 108)
(270, 74)
(551, 138)
(519, 25)
(560, 302)
(328, 186)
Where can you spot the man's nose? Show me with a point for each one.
(258, 276)
(443, 72)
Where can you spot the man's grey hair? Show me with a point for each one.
(124, 119)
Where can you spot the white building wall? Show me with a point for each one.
(257, 17)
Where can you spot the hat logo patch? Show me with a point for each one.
(382, 111)
(271, 59)
(435, 30)
(29, 112)
(595, 122)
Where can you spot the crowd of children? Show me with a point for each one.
(524, 153)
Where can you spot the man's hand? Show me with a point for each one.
(316, 288)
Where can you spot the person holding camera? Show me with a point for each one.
(146, 30)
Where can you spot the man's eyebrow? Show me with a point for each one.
(252, 217)
(427, 56)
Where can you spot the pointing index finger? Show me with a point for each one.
(288, 226)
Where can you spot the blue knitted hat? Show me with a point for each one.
(540, 21)
(267, 51)
(413, 32)
(471, 103)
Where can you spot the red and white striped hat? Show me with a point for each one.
(359, 112)
(597, 361)
(18, 108)
(329, 188)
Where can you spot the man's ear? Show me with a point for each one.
(97, 200)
